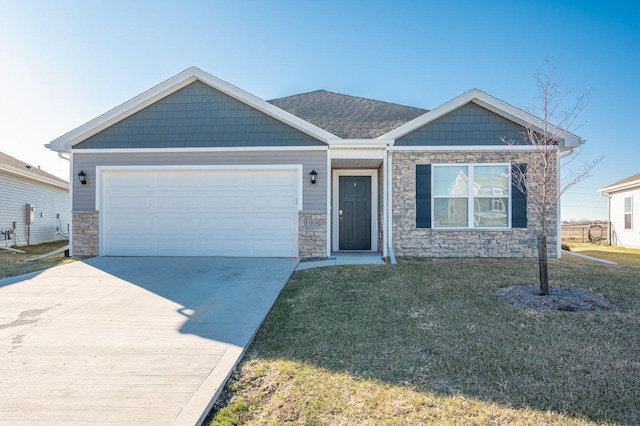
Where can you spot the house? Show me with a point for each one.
(198, 167)
(34, 205)
(623, 211)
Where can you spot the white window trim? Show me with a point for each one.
(470, 196)
(625, 213)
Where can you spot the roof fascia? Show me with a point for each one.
(65, 142)
(40, 179)
(621, 187)
(359, 143)
(494, 105)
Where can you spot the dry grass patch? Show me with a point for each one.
(429, 342)
(13, 264)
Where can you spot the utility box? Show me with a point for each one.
(31, 213)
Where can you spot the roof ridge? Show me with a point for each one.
(348, 96)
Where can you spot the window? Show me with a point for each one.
(627, 213)
(471, 195)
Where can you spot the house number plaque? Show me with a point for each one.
(312, 223)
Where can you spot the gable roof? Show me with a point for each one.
(349, 117)
(17, 167)
(65, 142)
(490, 103)
(628, 183)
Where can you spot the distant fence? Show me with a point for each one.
(585, 233)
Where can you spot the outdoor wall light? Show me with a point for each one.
(313, 175)
(82, 177)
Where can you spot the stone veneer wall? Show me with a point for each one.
(312, 235)
(86, 231)
(409, 241)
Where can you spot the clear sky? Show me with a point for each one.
(63, 63)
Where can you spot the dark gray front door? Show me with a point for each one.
(355, 213)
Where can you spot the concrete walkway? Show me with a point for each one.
(129, 341)
(341, 258)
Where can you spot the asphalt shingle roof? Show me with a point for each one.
(348, 117)
(26, 169)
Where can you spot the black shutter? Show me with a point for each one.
(518, 199)
(423, 196)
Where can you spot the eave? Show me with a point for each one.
(40, 179)
(607, 191)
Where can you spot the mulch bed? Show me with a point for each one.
(558, 299)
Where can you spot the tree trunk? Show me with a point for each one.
(543, 265)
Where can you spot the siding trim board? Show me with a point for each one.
(196, 149)
(463, 148)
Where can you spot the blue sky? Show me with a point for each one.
(62, 63)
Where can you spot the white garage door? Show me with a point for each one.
(199, 213)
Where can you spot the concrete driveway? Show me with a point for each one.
(129, 341)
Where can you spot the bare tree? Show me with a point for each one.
(538, 178)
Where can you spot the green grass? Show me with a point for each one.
(13, 264)
(620, 255)
(428, 342)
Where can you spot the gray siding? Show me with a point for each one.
(314, 197)
(198, 116)
(470, 124)
(49, 201)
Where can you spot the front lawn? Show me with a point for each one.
(429, 342)
(13, 264)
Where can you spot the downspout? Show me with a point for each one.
(70, 231)
(389, 218)
(385, 197)
(329, 206)
(558, 207)
(609, 227)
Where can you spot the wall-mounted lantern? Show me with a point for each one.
(313, 175)
(82, 177)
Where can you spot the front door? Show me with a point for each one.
(355, 213)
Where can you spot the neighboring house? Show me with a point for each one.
(198, 167)
(624, 211)
(34, 205)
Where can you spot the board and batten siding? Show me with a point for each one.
(470, 124)
(619, 235)
(49, 201)
(314, 197)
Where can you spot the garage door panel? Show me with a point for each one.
(129, 202)
(200, 213)
(177, 180)
(132, 180)
(126, 244)
(178, 202)
(173, 221)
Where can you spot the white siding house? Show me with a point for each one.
(624, 211)
(34, 205)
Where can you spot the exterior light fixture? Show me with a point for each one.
(82, 177)
(313, 175)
